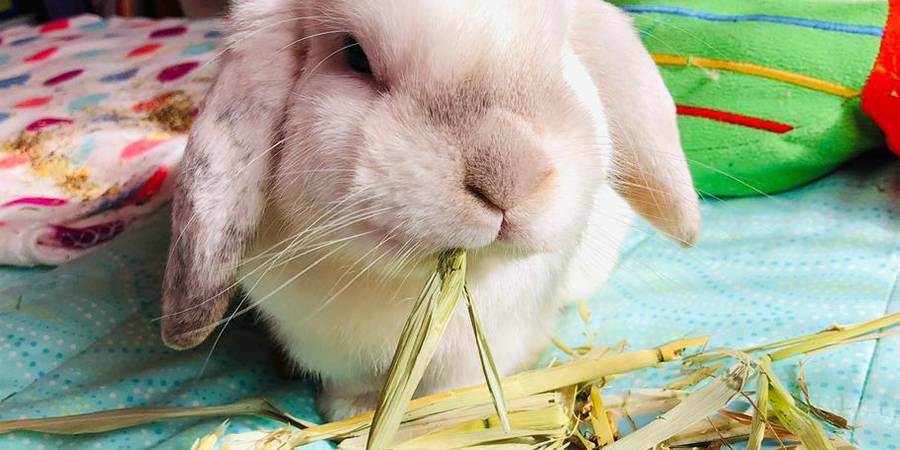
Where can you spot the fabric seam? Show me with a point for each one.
(874, 357)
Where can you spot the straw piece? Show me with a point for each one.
(709, 431)
(868, 337)
(419, 340)
(563, 347)
(707, 357)
(834, 419)
(500, 447)
(491, 376)
(210, 441)
(547, 422)
(642, 402)
(825, 339)
(785, 409)
(774, 429)
(707, 400)
(674, 350)
(584, 312)
(837, 337)
(243, 441)
(117, 419)
(600, 422)
(696, 377)
(414, 429)
(758, 426)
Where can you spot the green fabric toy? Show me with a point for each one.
(768, 91)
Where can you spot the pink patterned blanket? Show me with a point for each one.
(93, 121)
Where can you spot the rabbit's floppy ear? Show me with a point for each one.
(222, 186)
(649, 166)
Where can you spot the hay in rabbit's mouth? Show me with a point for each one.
(419, 340)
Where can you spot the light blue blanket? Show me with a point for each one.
(82, 337)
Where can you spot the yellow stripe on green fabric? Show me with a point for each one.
(794, 78)
(840, 58)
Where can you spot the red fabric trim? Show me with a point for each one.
(881, 96)
(735, 119)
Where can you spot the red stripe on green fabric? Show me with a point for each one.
(734, 119)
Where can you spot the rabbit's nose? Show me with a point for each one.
(506, 164)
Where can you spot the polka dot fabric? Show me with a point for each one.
(773, 268)
(93, 121)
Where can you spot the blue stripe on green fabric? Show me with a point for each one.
(783, 20)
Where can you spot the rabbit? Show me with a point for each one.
(345, 143)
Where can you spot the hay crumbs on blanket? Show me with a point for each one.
(170, 113)
(49, 164)
(176, 114)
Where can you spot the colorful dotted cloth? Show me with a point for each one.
(93, 118)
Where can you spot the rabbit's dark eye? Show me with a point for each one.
(356, 57)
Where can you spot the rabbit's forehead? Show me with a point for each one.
(453, 29)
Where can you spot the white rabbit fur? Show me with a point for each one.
(519, 129)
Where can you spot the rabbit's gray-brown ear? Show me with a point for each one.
(649, 166)
(222, 185)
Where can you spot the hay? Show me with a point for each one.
(556, 407)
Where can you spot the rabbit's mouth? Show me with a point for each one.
(512, 234)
